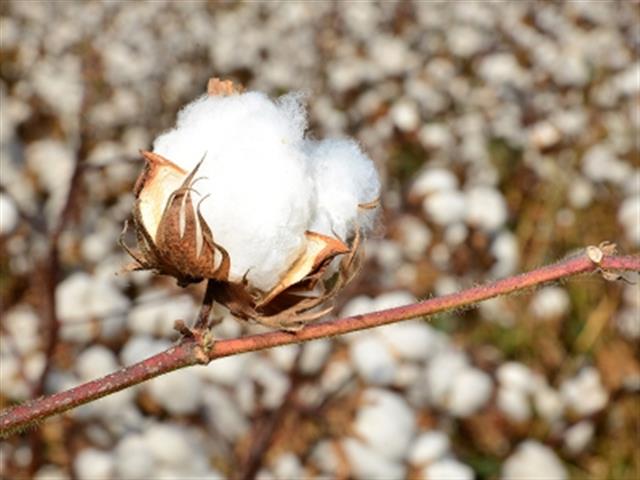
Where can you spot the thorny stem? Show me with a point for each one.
(188, 351)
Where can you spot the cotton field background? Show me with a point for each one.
(506, 135)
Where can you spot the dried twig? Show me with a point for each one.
(193, 350)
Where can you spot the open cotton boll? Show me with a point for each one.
(385, 423)
(235, 194)
(367, 463)
(257, 190)
(345, 178)
(533, 460)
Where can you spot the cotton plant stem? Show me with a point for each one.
(192, 350)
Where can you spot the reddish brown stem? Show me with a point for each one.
(190, 351)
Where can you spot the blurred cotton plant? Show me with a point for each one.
(236, 194)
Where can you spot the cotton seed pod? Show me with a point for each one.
(175, 238)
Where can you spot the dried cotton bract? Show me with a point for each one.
(236, 194)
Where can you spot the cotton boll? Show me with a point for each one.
(433, 180)
(412, 340)
(629, 218)
(226, 370)
(372, 360)
(393, 299)
(23, 326)
(169, 445)
(470, 391)
(415, 237)
(13, 384)
(550, 302)
(515, 375)
(577, 437)
(40, 155)
(8, 215)
(486, 208)
(448, 469)
(388, 254)
(93, 464)
(407, 374)
(314, 356)
(533, 460)
(51, 472)
(386, 423)
(288, 465)
(223, 413)
(514, 403)
(140, 347)
(441, 373)
(133, 458)
(600, 163)
(324, 456)
(178, 392)
(368, 464)
(548, 402)
(436, 136)
(285, 356)
(429, 447)
(357, 306)
(336, 376)
(255, 171)
(584, 393)
(445, 207)
(96, 361)
(405, 114)
(274, 382)
(456, 234)
(344, 178)
(81, 298)
(580, 192)
(628, 323)
(506, 251)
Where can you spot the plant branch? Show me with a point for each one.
(193, 350)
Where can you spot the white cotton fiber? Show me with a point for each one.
(345, 178)
(263, 184)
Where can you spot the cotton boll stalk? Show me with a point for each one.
(237, 195)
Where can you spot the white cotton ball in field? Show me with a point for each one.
(514, 403)
(470, 391)
(373, 360)
(386, 423)
(367, 463)
(133, 458)
(584, 393)
(533, 460)
(448, 469)
(9, 216)
(429, 447)
(515, 375)
(94, 464)
(179, 392)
